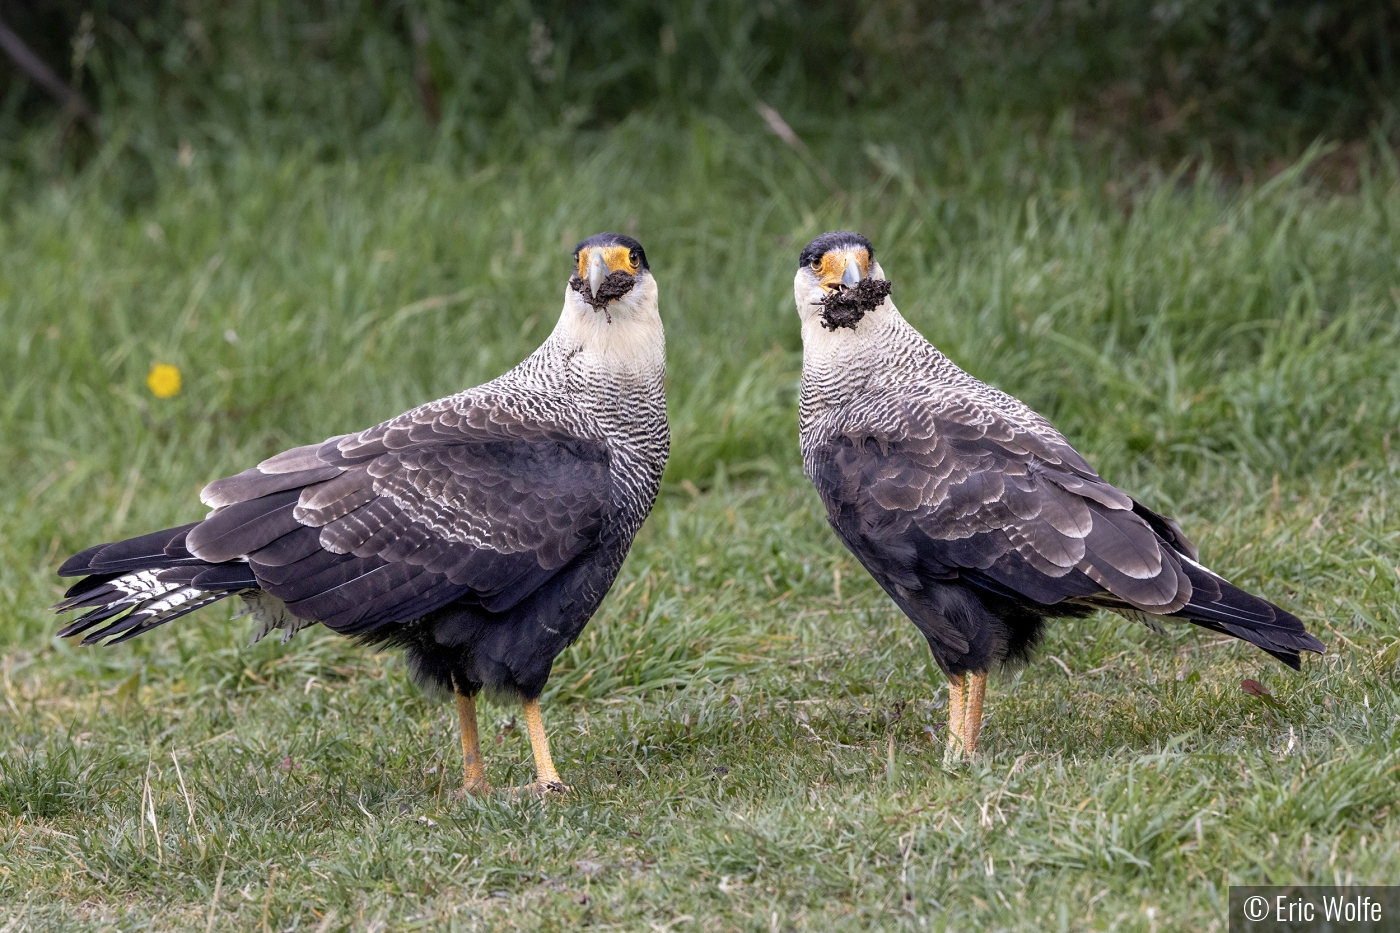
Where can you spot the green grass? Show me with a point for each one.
(750, 728)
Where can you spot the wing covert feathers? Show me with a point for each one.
(465, 497)
(438, 503)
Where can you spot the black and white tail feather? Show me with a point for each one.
(141, 583)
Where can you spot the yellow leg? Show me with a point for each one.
(957, 705)
(546, 778)
(473, 768)
(972, 714)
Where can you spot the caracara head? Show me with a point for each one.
(838, 280)
(610, 275)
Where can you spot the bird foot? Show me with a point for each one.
(542, 789)
(478, 788)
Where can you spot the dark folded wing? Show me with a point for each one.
(926, 488)
(471, 497)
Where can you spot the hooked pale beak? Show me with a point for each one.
(597, 271)
(851, 276)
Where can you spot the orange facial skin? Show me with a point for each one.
(617, 258)
(833, 264)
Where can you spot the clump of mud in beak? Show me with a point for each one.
(613, 287)
(847, 304)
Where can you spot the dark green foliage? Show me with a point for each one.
(1247, 81)
(1250, 81)
(363, 78)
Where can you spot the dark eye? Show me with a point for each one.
(816, 265)
(635, 257)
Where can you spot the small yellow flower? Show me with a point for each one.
(164, 380)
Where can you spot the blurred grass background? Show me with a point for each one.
(1172, 229)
